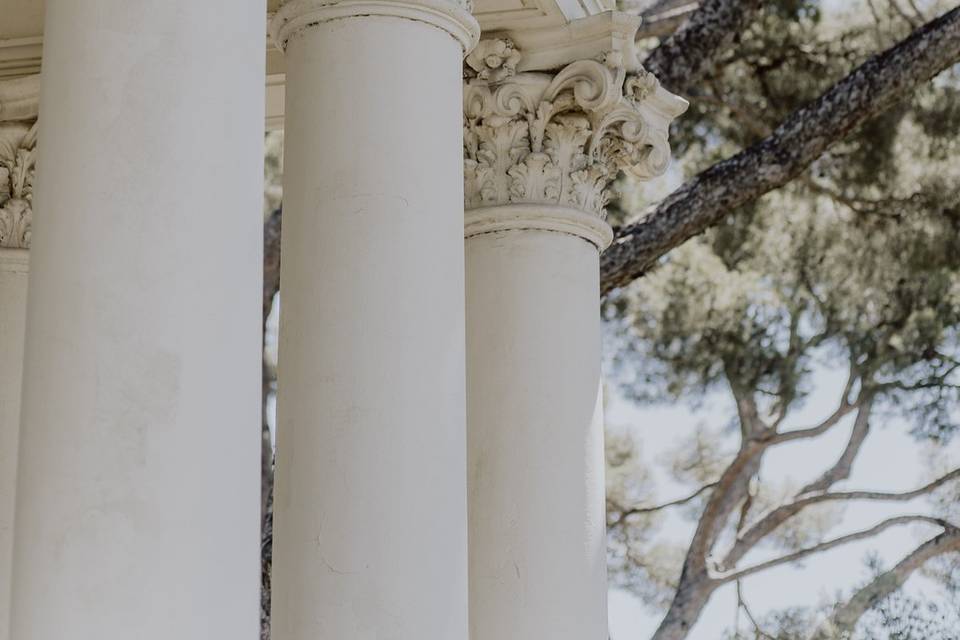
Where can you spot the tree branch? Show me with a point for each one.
(681, 60)
(781, 514)
(704, 200)
(844, 408)
(830, 544)
(911, 20)
(832, 420)
(839, 471)
(885, 496)
(844, 464)
(730, 489)
(742, 604)
(845, 618)
(626, 513)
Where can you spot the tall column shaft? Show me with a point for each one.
(370, 507)
(137, 504)
(541, 151)
(13, 309)
(536, 481)
(18, 137)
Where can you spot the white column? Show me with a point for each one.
(370, 510)
(13, 305)
(18, 129)
(541, 152)
(138, 484)
(535, 426)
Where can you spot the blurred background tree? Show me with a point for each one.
(853, 266)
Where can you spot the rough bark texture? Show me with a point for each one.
(271, 285)
(704, 200)
(692, 597)
(680, 61)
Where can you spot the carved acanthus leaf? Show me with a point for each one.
(560, 138)
(18, 142)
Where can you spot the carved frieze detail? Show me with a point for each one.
(560, 138)
(18, 142)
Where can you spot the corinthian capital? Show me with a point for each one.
(18, 140)
(561, 138)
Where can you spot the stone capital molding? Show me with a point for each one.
(18, 141)
(20, 56)
(560, 139)
(14, 260)
(561, 219)
(451, 16)
(19, 100)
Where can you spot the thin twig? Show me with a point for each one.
(673, 503)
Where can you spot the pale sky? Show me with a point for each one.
(890, 461)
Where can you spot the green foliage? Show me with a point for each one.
(854, 266)
(857, 262)
(272, 172)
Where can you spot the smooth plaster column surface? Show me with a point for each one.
(370, 511)
(13, 310)
(535, 429)
(138, 487)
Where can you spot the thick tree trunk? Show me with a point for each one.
(696, 586)
(685, 609)
(704, 200)
(681, 60)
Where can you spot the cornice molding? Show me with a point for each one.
(451, 16)
(19, 98)
(20, 56)
(591, 38)
(560, 139)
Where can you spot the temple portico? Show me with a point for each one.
(439, 469)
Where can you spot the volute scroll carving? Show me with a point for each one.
(560, 138)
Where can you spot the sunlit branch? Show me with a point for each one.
(830, 544)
